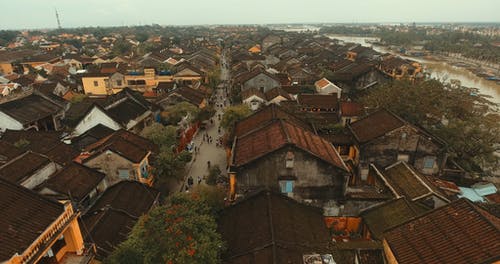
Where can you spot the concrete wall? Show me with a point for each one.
(90, 88)
(315, 180)
(94, 117)
(257, 102)
(7, 122)
(40, 175)
(109, 163)
(261, 81)
(384, 150)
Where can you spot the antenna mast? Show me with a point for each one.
(58, 21)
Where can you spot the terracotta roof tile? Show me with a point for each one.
(459, 232)
(75, 180)
(278, 134)
(375, 125)
(322, 83)
(113, 215)
(275, 92)
(387, 215)
(245, 94)
(30, 108)
(351, 109)
(125, 143)
(318, 101)
(291, 228)
(23, 167)
(264, 116)
(405, 181)
(24, 215)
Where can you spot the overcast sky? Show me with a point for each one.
(19, 14)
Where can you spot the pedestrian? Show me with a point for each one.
(190, 181)
(208, 164)
(219, 130)
(211, 121)
(199, 180)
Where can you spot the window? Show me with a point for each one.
(123, 174)
(403, 157)
(144, 170)
(286, 186)
(289, 160)
(429, 162)
(58, 245)
(118, 82)
(96, 83)
(344, 150)
(364, 174)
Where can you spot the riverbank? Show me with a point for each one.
(443, 68)
(488, 71)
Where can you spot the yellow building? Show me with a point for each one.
(97, 84)
(111, 83)
(6, 68)
(36, 229)
(146, 81)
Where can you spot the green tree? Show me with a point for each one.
(205, 113)
(121, 47)
(466, 121)
(169, 165)
(163, 136)
(78, 98)
(213, 173)
(125, 254)
(7, 36)
(183, 231)
(142, 36)
(213, 195)
(214, 78)
(180, 110)
(234, 114)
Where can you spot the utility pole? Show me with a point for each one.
(58, 21)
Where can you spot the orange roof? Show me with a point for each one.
(69, 95)
(322, 83)
(150, 94)
(276, 135)
(459, 232)
(255, 49)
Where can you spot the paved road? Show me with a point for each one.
(198, 167)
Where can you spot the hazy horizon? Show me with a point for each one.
(34, 14)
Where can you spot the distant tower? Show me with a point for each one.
(58, 21)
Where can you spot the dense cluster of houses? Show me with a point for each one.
(313, 177)
(329, 181)
(75, 173)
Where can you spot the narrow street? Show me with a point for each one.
(207, 152)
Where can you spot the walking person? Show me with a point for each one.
(190, 181)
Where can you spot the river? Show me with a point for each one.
(440, 70)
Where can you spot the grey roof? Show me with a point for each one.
(30, 108)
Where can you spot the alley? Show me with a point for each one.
(212, 152)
